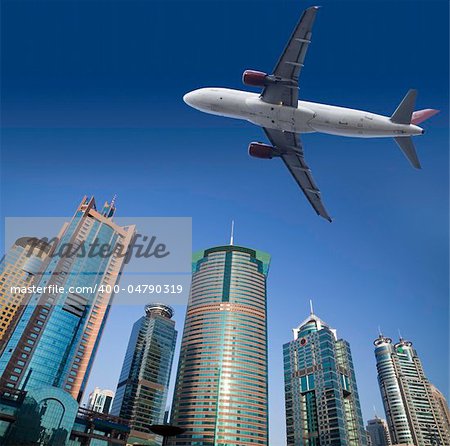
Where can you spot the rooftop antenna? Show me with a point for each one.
(113, 201)
(399, 334)
(311, 308)
(232, 233)
(379, 331)
(375, 411)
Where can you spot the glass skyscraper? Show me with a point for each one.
(322, 403)
(56, 338)
(21, 267)
(144, 380)
(412, 412)
(378, 432)
(221, 388)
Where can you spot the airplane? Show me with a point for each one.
(283, 116)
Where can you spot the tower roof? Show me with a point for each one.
(160, 309)
(312, 323)
(382, 340)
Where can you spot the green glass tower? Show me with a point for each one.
(322, 404)
(221, 388)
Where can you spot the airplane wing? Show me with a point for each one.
(291, 152)
(288, 68)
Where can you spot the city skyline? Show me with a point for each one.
(78, 106)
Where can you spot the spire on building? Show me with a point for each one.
(312, 320)
(232, 233)
(109, 208)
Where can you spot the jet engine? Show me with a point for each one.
(254, 78)
(264, 151)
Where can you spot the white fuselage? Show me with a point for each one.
(306, 118)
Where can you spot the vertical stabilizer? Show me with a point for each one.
(404, 111)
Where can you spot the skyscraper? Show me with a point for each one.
(56, 338)
(442, 406)
(100, 400)
(412, 412)
(221, 387)
(322, 403)
(19, 269)
(141, 393)
(378, 431)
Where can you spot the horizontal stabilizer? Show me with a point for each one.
(404, 111)
(422, 115)
(407, 146)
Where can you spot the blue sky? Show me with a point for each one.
(91, 104)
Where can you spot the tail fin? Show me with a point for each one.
(407, 147)
(422, 115)
(403, 114)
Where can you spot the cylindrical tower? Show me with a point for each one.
(221, 389)
(391, 392)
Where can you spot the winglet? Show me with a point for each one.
(407, 147)
(404, 111)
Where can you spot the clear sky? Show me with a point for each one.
(91, 103)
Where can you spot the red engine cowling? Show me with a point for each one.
(254, 78)
(264, 151)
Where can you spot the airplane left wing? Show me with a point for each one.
(291, 152)
(284, 89)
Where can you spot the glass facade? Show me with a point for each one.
(45, 417)
(412, 412)
(56, 337)
(221, 387)
(378, 432)
(321, 397)
(20, 267)
(142, 389)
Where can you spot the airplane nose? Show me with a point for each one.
(187, 98)
(191, 99)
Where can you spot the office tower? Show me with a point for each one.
(413, 415)
(221, 388)
(141, 393)
(20, 268)
(442, 406)
(321, 397)
(55, 341)
(100, 400)
(378, 432)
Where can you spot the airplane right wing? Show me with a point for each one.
(288, 68)
(291, 152)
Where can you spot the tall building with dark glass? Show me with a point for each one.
(141, 393)
(413, 413)
(221, 388)
(55, 341)
(378, 432)
(321, 397)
